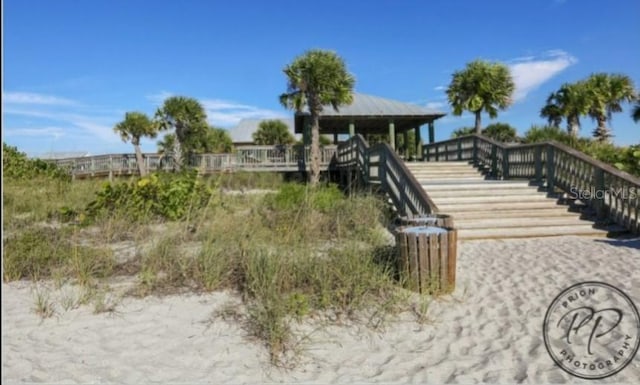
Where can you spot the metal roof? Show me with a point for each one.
(369, 105)
(370, 114)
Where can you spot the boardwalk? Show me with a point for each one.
(245, 158)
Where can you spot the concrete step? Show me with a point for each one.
(438, 164)
(535, 232)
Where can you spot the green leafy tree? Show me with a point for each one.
(606, 93)
(135, 126)
(463, 131)
(501, 132)
(481, 87)
(188, 118)
(635, 113)
(212, 141)
(271, 132)
(316, 79)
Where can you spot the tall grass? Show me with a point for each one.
(295, 253)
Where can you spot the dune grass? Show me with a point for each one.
(300, 252)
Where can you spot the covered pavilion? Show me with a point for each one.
(371, 115)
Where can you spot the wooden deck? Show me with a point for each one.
(245, 158)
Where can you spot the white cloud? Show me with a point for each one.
(100, 126)
(530, 72)
(33, 98)
(436, 105)
(55, 132)
(440, 88)
(224, 113)
(228, 113)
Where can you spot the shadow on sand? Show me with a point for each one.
(630, 242)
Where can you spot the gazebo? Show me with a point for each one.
(371, 115)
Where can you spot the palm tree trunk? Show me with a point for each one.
(573, 126)
(177, 155)
(602, 132)
(478, 122)
(314, 176)
(139, 159)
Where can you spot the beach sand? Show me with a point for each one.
(488, 331)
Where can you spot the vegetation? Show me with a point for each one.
(635, 113)
(291, 254)
(273, 132)
(317, 79)
(481, 87)
(16, 165)
(135, 126)
(502, 132)
(463, 131)
(606, 92)
(188, 119)
(598, 96)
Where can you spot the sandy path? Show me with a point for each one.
(488, 331)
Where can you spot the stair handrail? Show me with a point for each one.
(381, 166)
(612, 193)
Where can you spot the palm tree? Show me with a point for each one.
(167, 144)
(635, 113)
(481, 86)
(134, 126)
(572, 101)
(606, 93)
(187, 117)
(316, 79)
(552, 111)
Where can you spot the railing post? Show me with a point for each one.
(110, 168)
(494, 161)
(475, 150)
(459, 150)
(437, 154)
(598, 179)
(537, 158)
(505, 163)
(550, 169)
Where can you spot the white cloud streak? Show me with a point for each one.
(531, 72)
(33, 98)
(55, 132)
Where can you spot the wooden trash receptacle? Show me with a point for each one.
(437, 220)
(427, 258)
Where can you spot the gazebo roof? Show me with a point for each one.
(371, 114)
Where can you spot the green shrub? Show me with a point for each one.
(538, 134)
(501, 132)
(463, 131)
(157, 196)
(16, 165)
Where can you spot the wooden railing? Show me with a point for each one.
(248, 158)
(380, 166)
(613, 194)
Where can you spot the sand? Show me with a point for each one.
(487, 331)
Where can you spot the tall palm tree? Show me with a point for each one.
(552, 111)
(481, 86)
(635, 113)
(135, 126)
(187, 117)
(316, 79)
(572, 100)
(606, 93)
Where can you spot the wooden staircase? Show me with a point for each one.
(483, 208)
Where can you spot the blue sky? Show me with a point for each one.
(71, 69)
